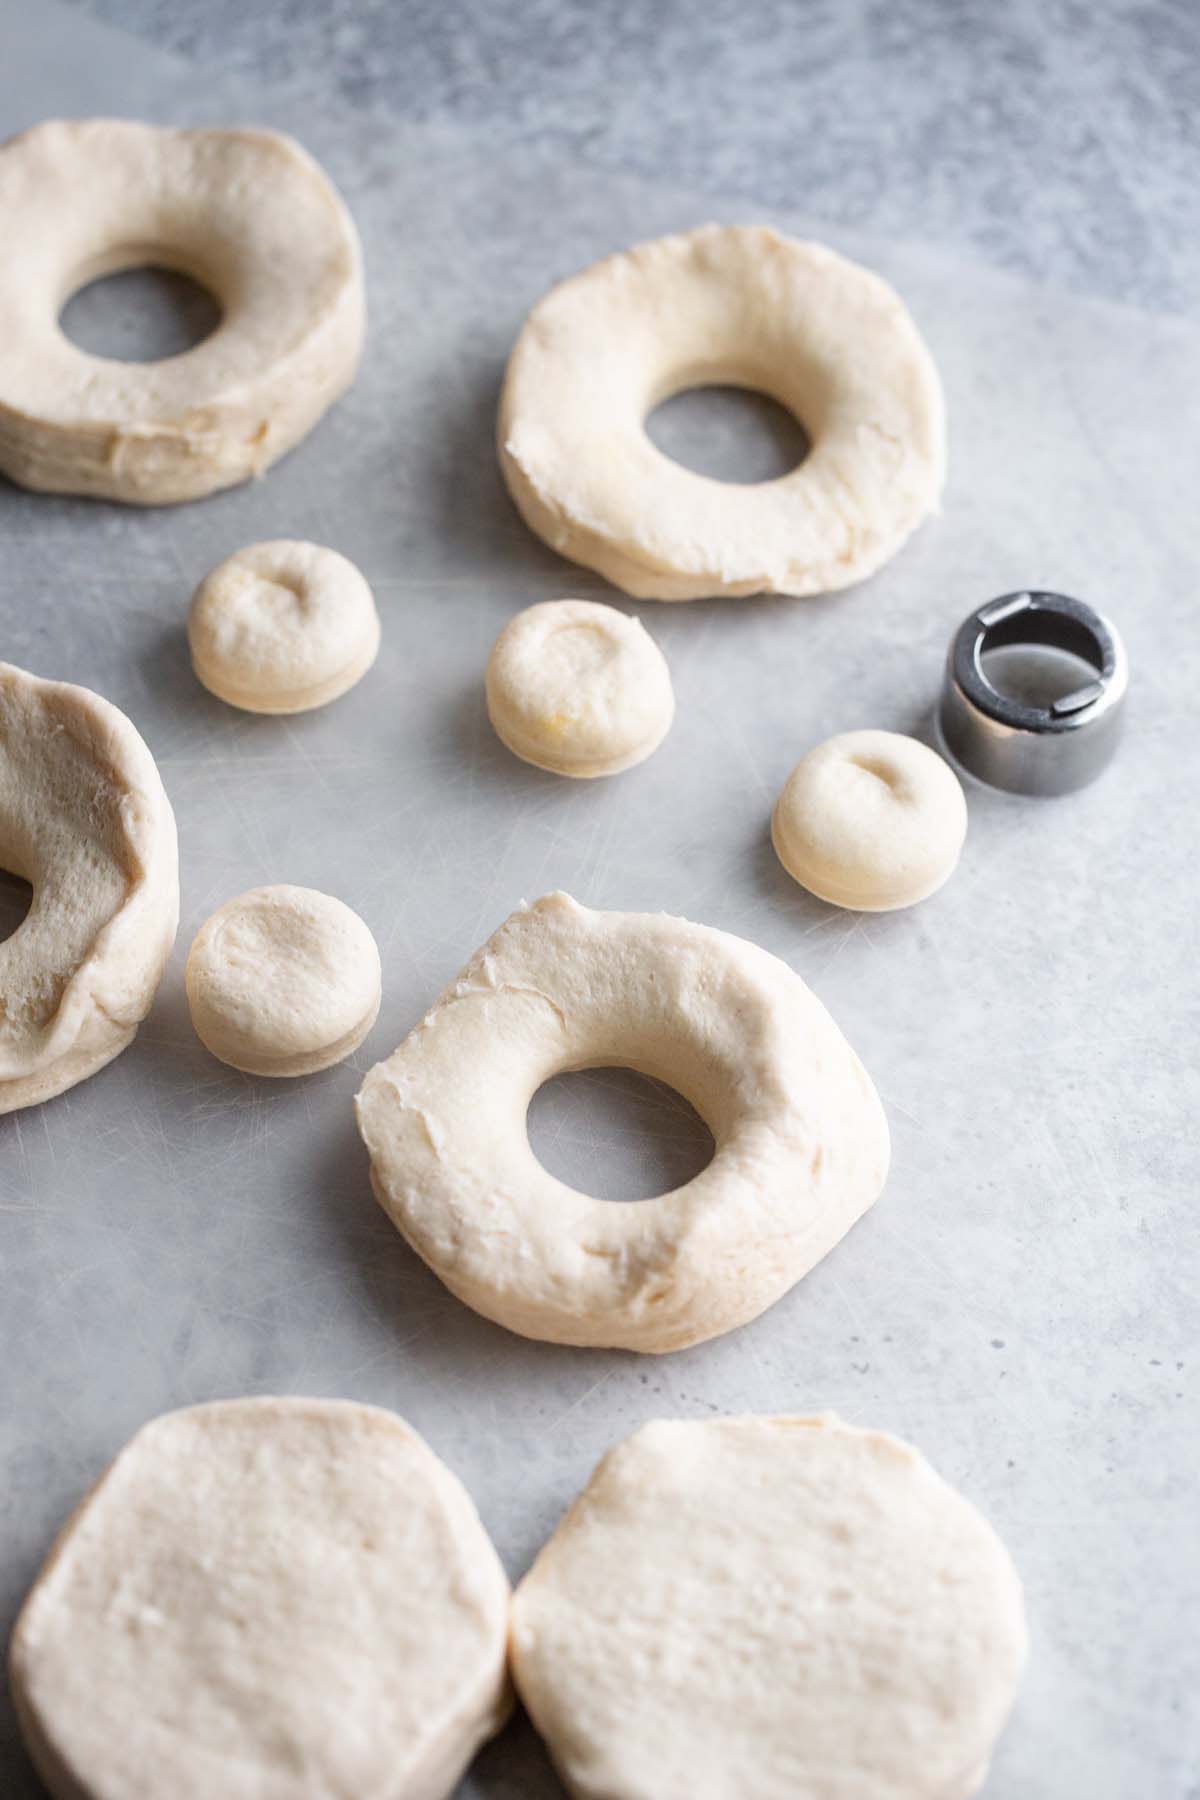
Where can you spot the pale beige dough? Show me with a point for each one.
(85, 820)
(265, 1600)
(579, 688)
(737, 305)
(246, 213)
(769, 1609)
(801, 1139)
(282, 627)
(283, 981)
(871, 820)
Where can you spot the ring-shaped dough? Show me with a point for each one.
(266, 1599)
(282, 627)
(740, 306)
(769, 1609)
(283, 981)
(801, 1139)
(579, 688)
(85, 820)
(871, 820)
(249, 215)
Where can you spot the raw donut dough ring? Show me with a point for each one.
(265, 1599)
(801, 1139)
(85, 820)
(249, 215)
(579, 688)
(871, 820)
(740, 306)
(282, 627)
(769, 1609)
(283, 981)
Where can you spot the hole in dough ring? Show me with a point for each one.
(246, 213)
(739, 306)
(265, 1597)
(85, 820)
(783, 1608)
(801, 1139)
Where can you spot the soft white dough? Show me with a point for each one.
(283, 981)
(871, 820)
(282, 627)
(265, 1600)
(740, 305)
(579, 688)
(246, 213)
(85, 820)
(801, 1139)
(769, 1609)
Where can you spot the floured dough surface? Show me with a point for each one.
(247, 214)
(725, 304)
(871, 820)
(85, 820)
(801, 1139)
(282, 627)
(579, 688)
(265, 1600)
(769, 1609)
(283, 981)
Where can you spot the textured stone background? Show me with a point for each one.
(1023, 1301)
(1060, 138)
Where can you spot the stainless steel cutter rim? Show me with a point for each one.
(1026, 749)
(1057, 622)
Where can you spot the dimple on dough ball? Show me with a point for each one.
(579, 688)
(870, 820)
(282, 627)
(769, 1609)
(265, 1599)
(283, 981)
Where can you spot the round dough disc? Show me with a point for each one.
(265, 1600)
(769, 1609)
(282, 627)
(283, 981)
(579, 688)
(871, 820)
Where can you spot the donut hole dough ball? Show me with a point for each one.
(579, 688)
(248, 215)
(283, 981)
(801, 1140)
(737, 306)
(267, 1599)
(871, 820)
(282, 627)
(85, 821)
(782, 1608)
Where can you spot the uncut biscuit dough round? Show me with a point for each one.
(801, 1139)
(282, 627)
(579, 688)
(283, 981)
(85, 820)
(769, 1609)
(871, 820)
(735, 305)
(265, 1599)
(250, 216)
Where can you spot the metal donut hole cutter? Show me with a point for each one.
(1015, 744)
